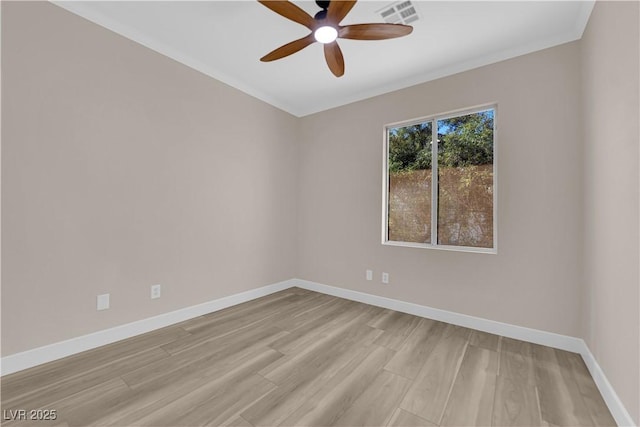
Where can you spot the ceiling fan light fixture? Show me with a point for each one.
(325, 34)
(325, 28)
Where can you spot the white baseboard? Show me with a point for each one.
(617, 409)
(27, 359)
(535, 336)
(37, 356)
(549, 339)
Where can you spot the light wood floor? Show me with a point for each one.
(300, 358)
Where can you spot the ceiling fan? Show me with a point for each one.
(325, 28)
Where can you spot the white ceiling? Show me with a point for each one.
(225, 39)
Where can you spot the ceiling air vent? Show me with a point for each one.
(402, 12)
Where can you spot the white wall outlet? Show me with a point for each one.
(369, 274)
(102, 302)
(385, 277)
(155, 291)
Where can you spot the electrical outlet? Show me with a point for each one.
(369, 274)
(385, 277)
(102, 302)
(155, 291)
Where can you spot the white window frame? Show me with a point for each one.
(434, 179)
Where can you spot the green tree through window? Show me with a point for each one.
(464, 182)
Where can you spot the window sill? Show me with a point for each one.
(471, 249)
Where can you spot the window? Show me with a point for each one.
(441, 195)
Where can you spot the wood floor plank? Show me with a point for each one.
(81, 408)
(316, 306)
(38, 396)
(332, 399)
(325, 348)
(201, 341)
(217, 402)
(71, 407)
(517, 365)
(307, 334)
(50, 373)
(484, 340)
(377, 404)
(430, 390)
(516, 402)
(301, 291)
(239, 422)
(30, 423)
(199, 360)
(402, 418)
(304, 334)
(145, 404)
(301, 376)
(560, 400)
(232, 324)
(592, 398)
(298, 357)
(397, 327)
(419, 344)
(473, 392)
(516, 346)
(264, 304)
(295, 390)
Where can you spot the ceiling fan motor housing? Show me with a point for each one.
(323, 4)
(320, 15)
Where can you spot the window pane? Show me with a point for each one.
(410, 183)
(465, 180)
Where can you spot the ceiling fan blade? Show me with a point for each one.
(289, 48)
(335, 60)
(290, 11)
(374, 31)
(338, 10)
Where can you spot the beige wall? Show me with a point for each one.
(121, 169)
(610, 89)
(534, 280)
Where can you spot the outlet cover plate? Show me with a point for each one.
(155, 291)
(102, 302)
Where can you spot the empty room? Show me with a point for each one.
(317, 213)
